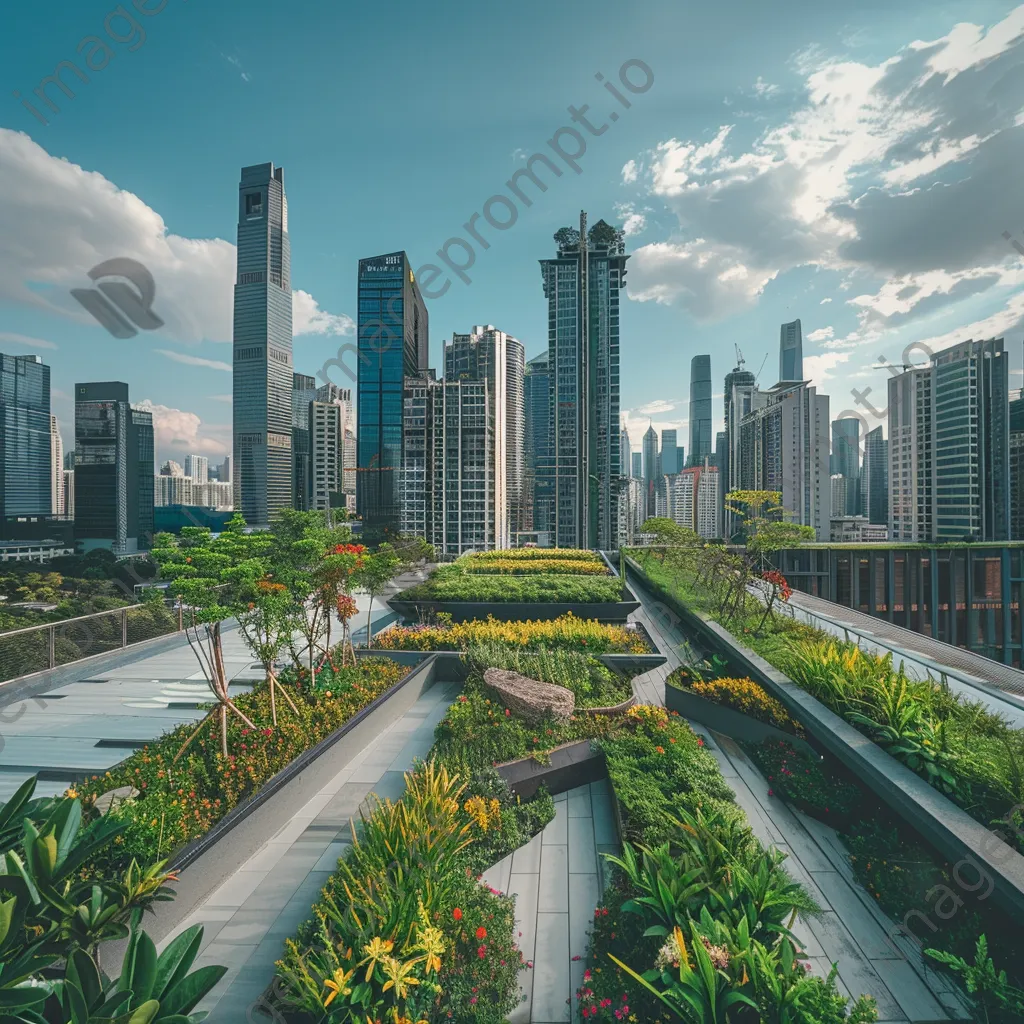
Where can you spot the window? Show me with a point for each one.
(254, 204)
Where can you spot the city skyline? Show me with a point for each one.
(862, 302)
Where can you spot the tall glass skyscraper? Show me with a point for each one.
(263, 348)
(581, 285)
(874, 478)
(670, 463)
(791, 352)
(702, 440)
(652, 470)
(537, 446)
(25, 452)
(303, 392)
(393, 343)
(846, 462)
(114, 453)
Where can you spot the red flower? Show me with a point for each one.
(482, 952)
(481, 932)
(457, 914)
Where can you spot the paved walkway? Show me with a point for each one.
(248, 918)
(852, 932)
(558, 879)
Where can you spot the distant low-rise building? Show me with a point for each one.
(857, 530)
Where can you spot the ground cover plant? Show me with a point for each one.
(567, 632)
(537, 554)
(971, 755)
(177, 800)
(453, 583)
(695, 923)
(743, 695)
(547, 560)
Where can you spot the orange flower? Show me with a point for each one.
(457, 914)
(481, 932)
(660, 750)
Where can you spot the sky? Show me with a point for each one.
(854, 165)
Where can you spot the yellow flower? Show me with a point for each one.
(376, 950)
(338, 985)
(399, 975)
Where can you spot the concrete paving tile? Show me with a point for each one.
(557, 830)
(497, 875)
(329, 858)
(858, 920)
(582, 848)
(550, 978)
(237, 889)
(554, 871)
(579, 802)
(526, 860)
(584, 896)
(910, 992)
(526, 891)
(604, 869)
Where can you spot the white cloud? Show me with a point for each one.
(180, 430)
(763, 88)
(824, 302)
(885, 169)
(817, 368)
(822, 334)
(181, 357)
(59, 220)
(633, 221)
(655, 408)
(519, 154)
(25, 340)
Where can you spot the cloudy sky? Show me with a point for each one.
(856, 166)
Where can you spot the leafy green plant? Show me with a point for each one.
(995, 999)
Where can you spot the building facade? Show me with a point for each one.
(56, 469)
(791, 352)
(651, 465)
(173, 489)
(582, 285)
(198, 468)
(740, 389)
(702, 439)
(874, 479)
(393, 344)
(693, 500)
(25, 438)
(845, 461)
(303, 392)
(262, 348)
(670, 450)
(540, 512)
(114, 479)
(325, 461)
(949, 447)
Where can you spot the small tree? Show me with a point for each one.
(375, 575)
(200, 568)
(341, 568)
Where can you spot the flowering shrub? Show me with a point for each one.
(453, 583)
(568, 632)
(181, 802)
(521, 567)
(746, 696)
(535, 554)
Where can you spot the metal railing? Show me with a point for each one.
(53, 644)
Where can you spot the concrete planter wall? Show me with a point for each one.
(952, 831)
(575, 764)
(515, 611)
(727, 721)
(208, 861)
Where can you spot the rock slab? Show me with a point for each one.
(529, 698)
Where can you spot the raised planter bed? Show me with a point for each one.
(514, 611)
(953, 832)
(208, 861)
(569, 766)
(727, 721)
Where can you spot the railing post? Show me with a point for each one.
(51, 641)
(124, 627)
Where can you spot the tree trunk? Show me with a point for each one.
(369, 623)
(273, 688)
(224, 730)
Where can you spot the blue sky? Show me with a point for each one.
(853, 165)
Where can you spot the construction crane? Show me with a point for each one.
(740, 361)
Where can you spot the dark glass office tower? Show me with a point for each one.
(114, 457)
(537, 454)
(670, 464)
(846, 462)
(652, 470)
(393, 343)
(303, 392)
(875, 478)
(702, 440)
(24, 437)
(581, 285)
(791, 352)
(263, 348)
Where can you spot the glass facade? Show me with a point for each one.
(702, 440)
(263, 348)
(846, 462)
(25, 453)
(393, 342)
(537, 413)
(791, 352)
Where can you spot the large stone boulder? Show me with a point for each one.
(531, 699)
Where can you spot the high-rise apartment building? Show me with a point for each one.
(174, 489)
(56, 470)
(198, 468)
(393, 343)
(840, 490)
(693, 500)
(740, 397)
(874, 478)
(949, 447)
(651, 471)
(114, 479)
(69, 493)
(450, 485)
(537, 445)
(582, 285)
(25, 437)
(845, 461)
(490, 355)
(625, 452)
(791, 352)
(701, 436)
(262, 348)
(784, 446)
(325, 449)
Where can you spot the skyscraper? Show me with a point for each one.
(197, 467)
(845, 462)
(537, 444)
(701, 437)
(669, 453)
(637, 469)
(56, 470)
(262, 406)
(393, 343)
(114, 480)
(693, 500)
(625, 452)
(490, 355)
(741, 396)
(874, 478)
(325, 454)
(581, 285)
(303, 392)
(791, 352)
(949, 450)
(651, 474)
(25, 438)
